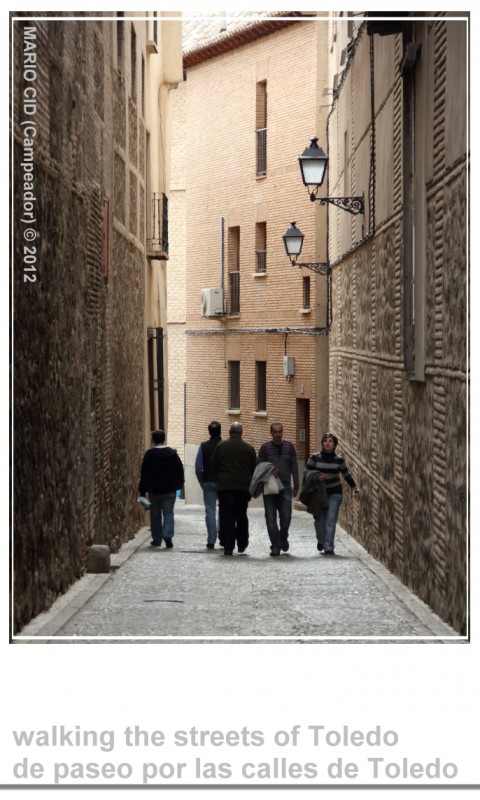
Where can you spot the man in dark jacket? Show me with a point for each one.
(234, 462)
(161, 475)
(208, 480)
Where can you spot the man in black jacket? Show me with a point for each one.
(161, 475)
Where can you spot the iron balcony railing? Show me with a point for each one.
(234, 279)
(261, 134)
(261, 256)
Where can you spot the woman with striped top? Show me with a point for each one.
(330, 467)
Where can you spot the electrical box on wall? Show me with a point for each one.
(288, 366)
(212, 303)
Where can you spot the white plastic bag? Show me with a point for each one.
(271, 486)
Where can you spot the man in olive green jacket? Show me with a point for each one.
(234, 462)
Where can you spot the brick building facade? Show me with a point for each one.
(79, 297)
(398, 345)
(250, 102)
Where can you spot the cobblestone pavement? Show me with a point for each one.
(190, 591)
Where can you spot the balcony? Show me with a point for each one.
(157, 222)
(261, 134)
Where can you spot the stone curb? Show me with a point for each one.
(48, 623)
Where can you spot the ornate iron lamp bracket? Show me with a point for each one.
(354, 205)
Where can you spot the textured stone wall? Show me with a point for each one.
(404, 439)
(78, 337)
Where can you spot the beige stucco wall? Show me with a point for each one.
(163, 72)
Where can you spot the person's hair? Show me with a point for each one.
(275, 423)
(158, 437)
(214, 428)
(236, 427)
(329, 435)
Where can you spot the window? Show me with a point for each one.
(234, 269)
(120, 42)
(234, 384)
(261, 128)
(306, 291)
(133, 64)
(414, 223)
(261, 385)
(261, 246)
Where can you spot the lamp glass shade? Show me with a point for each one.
(313, 164)
(293, 241)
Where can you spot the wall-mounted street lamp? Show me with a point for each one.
(293, 241)
(313, 166)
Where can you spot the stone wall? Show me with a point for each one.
(403, 436)
(78, 334)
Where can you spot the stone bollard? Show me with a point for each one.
(98, 558)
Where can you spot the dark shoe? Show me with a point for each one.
(154, 544)
(319, 547)
(210, 545)
(285, 545)
(228, 552)
(329, 553)
(168, 542)
(275, 551)
(241, 549)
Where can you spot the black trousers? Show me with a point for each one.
(233, 504)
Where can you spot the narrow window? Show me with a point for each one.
(414, 202)
(120, 42)
(261, 385)
(261, 127)
(133, 64)
(261, 246)
(143, 86)
(306, 291)
(234, 384)
(155, 27)
(106, 238)
(234, 269)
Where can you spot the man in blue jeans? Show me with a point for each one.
(282, 453)
(161, 475)
(208, 481)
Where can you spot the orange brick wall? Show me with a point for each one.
(221, 182)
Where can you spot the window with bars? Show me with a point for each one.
(306, 291)
(261, 385)
(234, 384)
(261, 127)
(261, 246)
(234, 269)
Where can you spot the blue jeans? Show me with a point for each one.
(326, 524)
(210, 501)
(161, 516)
(280, 504)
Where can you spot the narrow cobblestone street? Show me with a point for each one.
(190, 591)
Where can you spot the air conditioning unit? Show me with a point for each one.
(288, 366)
(212, 303)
